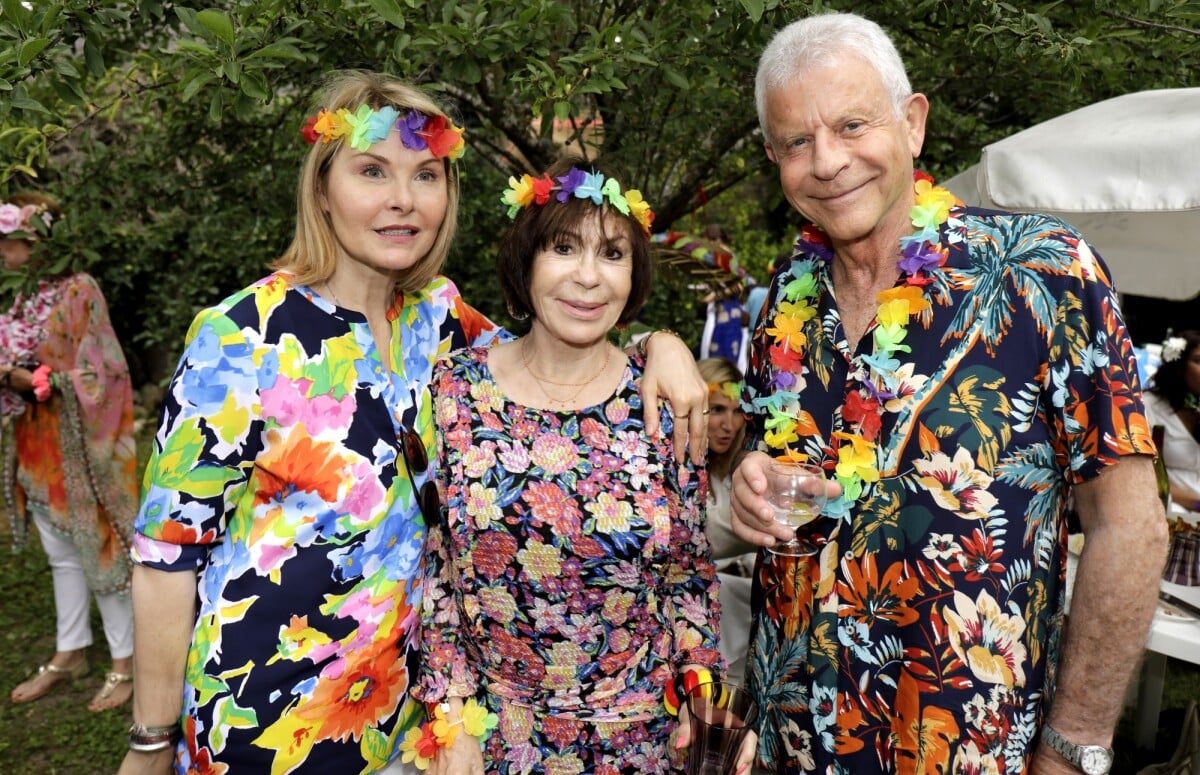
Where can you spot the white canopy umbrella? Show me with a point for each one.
(1125, 172)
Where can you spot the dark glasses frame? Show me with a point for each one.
(416, 458)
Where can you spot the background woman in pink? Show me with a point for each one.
(68, 450)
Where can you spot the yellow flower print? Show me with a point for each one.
(540, 561)
(479, 459)
(986, 639)
(612, 515)
(487, 396)
(298, 640)
(481, 504)
(568, 764)
(496, 603)
(616, 607)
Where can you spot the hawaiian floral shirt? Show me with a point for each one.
(279, 475)
(573, 576)
(924, 636)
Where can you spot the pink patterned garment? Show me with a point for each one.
(572, 576)
(22, 330)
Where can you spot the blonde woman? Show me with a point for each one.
(733, 556)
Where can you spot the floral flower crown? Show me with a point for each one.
(1173, 348)
(367, 126)
(582, 185)
(731, 390)
(24, 221)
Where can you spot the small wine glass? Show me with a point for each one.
(798, 493)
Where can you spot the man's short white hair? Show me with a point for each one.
(822, 41)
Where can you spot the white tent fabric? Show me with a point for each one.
(1125, 172)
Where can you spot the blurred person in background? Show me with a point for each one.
(734, 557)
(1173, 401)
(68, 448)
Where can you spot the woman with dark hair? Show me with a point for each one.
(68, 449)
(569, 579)
(1173, 401)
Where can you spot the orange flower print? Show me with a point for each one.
(871, 598)
(368, 690)
(922, 732)
(554, 454)
(553, 506)
(298, 463)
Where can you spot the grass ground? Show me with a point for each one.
(57, 735)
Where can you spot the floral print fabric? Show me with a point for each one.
(571, 579)
(74, 452)
(924, 636)
(279, 475)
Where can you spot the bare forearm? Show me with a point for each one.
(1113, 600)
(164, 614)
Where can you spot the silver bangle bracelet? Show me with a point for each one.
(166, 744)
(144, 739)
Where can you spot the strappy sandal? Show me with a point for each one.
(111, 681)
(48, 676)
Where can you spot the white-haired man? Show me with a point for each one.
(958, 372)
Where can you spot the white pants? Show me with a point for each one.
(72, 598)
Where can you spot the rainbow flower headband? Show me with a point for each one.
(24, 221)
(367, 126)
(731, 390)
(581, 185)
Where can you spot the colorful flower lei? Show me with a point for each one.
(421, 744)
(581, 184)
(731, 390)
(24, 221)
(367, 126)
(875, 378)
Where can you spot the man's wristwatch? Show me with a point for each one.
(1090, 759)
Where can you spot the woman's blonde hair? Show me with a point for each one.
(312, 256)
(716, 371)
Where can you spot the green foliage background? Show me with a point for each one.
(169, 131)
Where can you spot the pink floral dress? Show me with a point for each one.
(570, 578)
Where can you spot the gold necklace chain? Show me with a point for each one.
(332, 295)
(539, 379)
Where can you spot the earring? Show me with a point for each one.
(515, 315)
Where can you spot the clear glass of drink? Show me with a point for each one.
(798, 493)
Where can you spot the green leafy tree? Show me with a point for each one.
(170, 131)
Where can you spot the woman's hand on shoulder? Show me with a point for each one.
(671, 373)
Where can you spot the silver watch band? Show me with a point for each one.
(1090, 759)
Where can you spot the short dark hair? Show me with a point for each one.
(538, 227)
(1170, 381)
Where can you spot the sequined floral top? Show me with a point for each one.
(573, 573)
